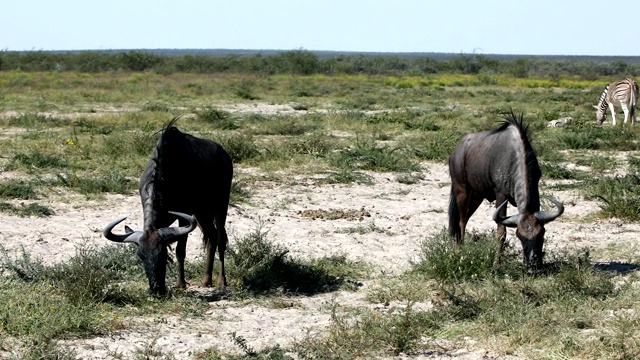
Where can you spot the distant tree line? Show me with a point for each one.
(303, 62)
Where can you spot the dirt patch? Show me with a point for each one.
(335, 214)
(310, 221)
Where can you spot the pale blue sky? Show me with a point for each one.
(536, 27)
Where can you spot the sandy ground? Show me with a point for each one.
(405, 213)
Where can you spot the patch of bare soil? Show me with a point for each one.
(335, 214)
(311, 221)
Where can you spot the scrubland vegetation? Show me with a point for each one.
(86, 123)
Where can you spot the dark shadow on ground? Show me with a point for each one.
(615, 266)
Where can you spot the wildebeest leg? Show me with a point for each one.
(221, 218)
(474, 202)
(181, 252)
(210, 242)
(501, 232)
(468, 202)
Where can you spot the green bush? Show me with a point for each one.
(365, 155)
(620, 196)
(17, 190)
(240, 147)
(261, 267)
(444, 261)
(32, 209)
(36, 160)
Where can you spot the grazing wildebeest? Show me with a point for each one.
(188, 175)
(619, 94)
(500, 165)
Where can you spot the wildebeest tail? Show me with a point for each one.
(454, 216)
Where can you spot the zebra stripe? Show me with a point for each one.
(621, 94)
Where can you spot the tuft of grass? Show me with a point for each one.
(219, 118)
(620, 195)
(17, 189)
(157, 107)
(409, 179)
(36, 160)
(32, 209)
(446, 262)
(241, 148)
(111, 182)
(35, 121)
(578, 140)
(86, 278)
(136, 143)
(634, 165)
(365, 155)
(347, 176)
(261, 267)
(239, 193)
(245, 90)
(431, 146)
(357, 333)
(555, 171)
(286, 126)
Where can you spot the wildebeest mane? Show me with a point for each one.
(158, 179)
(511, 119)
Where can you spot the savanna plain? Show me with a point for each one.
(338, 245)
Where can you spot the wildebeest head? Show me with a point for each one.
(530, 230)
(152, 247)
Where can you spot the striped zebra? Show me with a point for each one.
(619, 94)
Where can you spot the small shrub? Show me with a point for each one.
(553, 171)
(219, 118)
(239, 193)
(368, 334)
(244, 90)
(432, 146)
(446, 262)
(157, 107)
(289, 127)
(347, 176)
(36, 160)
(366, 155)
(129, 143)
(578, 140)
(240, 147)
(262, 267)
(111, 182)
(17, 190)
(34, 120)
(620, 196)
(634, 165)
(25, 267)
(33, 209)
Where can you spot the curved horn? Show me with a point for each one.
(548, 216)
(510, 221)
(131, 237)
(170, 232)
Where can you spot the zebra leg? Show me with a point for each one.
(626, 112)
(613, 113)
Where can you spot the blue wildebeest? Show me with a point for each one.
(500, 165)
(185, 175)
